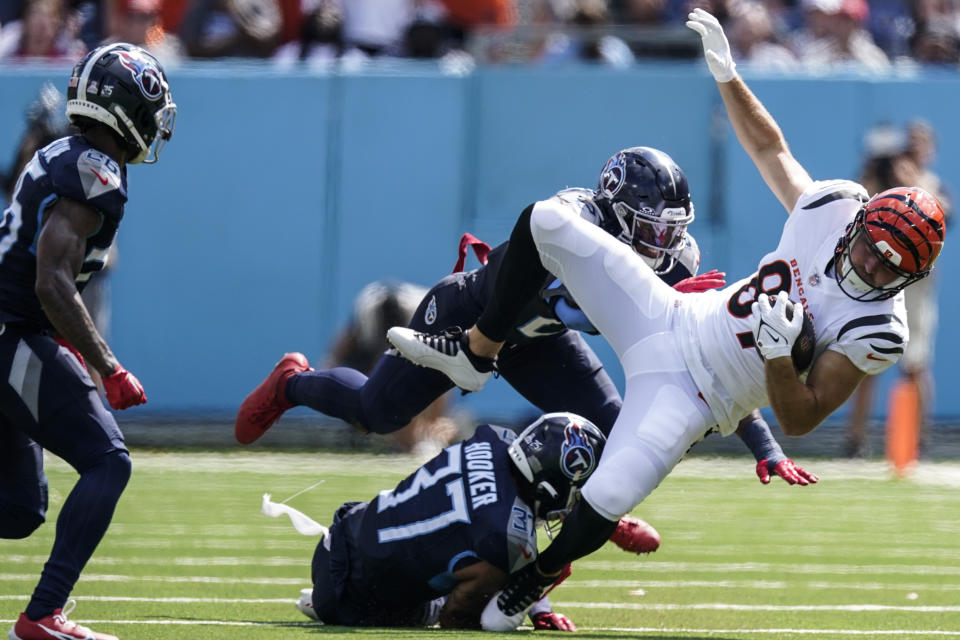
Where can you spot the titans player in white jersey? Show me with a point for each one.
(694, 362)
(55, 235)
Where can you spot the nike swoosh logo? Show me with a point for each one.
(102, 179)
(523, 550)
(56, 634)
(870, 356)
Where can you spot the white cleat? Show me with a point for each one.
(305, 604)
(446, 353)
(494, 619)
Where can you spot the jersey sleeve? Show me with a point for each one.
(822, 193)
(514, 544)
(90, 177)
(873, 343)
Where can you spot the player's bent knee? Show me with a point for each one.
(17, 523)
(114, 467)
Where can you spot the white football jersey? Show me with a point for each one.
(717, 327)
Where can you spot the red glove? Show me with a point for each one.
(63, 342)
(712, 279)
(786, 469)
(123, 389)
(552, 621)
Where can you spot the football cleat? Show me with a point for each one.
(448, 353)
(54, 627)
(265, 404)
(635, 535)
(305, 604)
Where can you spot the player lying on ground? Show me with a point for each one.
(701, 361)
(440, 544)
(62, 220)
(545, 357)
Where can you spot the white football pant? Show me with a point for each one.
(663, 414)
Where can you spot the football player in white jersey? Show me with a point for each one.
(699, 361)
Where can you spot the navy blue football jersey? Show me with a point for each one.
(460, 507)
(65, 168)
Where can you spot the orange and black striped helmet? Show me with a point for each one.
(904, 227)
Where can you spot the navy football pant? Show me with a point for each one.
(344, 590)
(48, 401)
(555, 373)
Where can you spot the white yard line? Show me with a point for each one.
(725, 606)
(767, 567)
(815, 632)
(702, 606)
(96, 577)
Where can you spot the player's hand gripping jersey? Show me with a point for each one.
(719, 349)
(66, 168)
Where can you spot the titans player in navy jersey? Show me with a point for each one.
(440, 544)
(546, 359)
(67, 204)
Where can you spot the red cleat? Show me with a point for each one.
(54, 627)
(635, 535)
(267, 402)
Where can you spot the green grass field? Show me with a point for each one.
(859, 555)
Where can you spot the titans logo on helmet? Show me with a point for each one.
(611, 178)
(576, 457)
(145, 72)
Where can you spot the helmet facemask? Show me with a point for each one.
(657, 236)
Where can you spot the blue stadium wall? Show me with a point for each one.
(283, 193)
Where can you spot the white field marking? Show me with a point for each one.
(934, 552)
(279, 464)
(897, 633)
(216, 623)
(210, 561)
(723, 606)
(759, 584)
(769, 567)
(100, 577)
(177, 530)
(943, 474)
(172, 599)
(205, 543)
(816, 632)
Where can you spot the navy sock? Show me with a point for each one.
(84, 519)
(334, 392)
(583, 532)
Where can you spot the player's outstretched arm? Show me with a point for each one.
(60, 252)
(771, 461)
(757, 131)
(478, 583)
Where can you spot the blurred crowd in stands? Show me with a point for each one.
(775, 34)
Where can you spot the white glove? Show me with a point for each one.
(772, 332)
(716, 49)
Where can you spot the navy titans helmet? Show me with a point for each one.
(556, 454)
(645, 201)
(124, 87)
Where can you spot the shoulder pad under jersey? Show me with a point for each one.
(874, 343)
(82, 173)
(823, 192)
